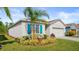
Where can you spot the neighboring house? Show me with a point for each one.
(73, 27)
(77, 25)
(23, 28)
(57, 27)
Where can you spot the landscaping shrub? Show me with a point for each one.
(9, 37)
(40, 36)
(43, 42)
(19, 40)
(51, 40)
(2, 37)
(48, 41)
(66, 34)
(5, 37)
(36, 42)
(70, 33)
(39, 41)
(7, 41)
(30, 42)
(26, 37)
(26, 42)
(52, 35)
(33, 42)
(45, 36)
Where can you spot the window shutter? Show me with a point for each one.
(29, 28)
(40, 28)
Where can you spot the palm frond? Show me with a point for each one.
(34, 14)
(29, 12)
(40, 13)
(6, 9)
(2, 28)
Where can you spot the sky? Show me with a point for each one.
(66, 14)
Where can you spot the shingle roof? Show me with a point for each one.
(56, 20)
(77, 25)
(70, 24)
(18, 22)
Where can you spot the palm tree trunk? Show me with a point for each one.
(33, 32)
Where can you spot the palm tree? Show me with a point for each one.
(34, 15)
(3, 29)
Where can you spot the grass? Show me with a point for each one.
(60, 45)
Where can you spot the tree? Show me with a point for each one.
(34, 15)
(3, 29)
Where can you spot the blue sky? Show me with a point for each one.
(66, 14)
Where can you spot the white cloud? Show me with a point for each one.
(63, 15)
(66, 15)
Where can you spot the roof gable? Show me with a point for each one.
(55, 21)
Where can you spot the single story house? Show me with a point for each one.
(57, 27)
(74, 27)
(23, 28)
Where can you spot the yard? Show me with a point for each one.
(60, 45)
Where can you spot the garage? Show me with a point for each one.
(58, 32)
(57, 27)
(77, 33)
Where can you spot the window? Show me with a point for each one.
(57, 28)
(37, 28)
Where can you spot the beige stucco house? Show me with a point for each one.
(23, 28)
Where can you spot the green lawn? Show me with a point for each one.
(60, 45)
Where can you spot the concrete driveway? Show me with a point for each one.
(70, 38)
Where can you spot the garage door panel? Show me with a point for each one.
(58, 32)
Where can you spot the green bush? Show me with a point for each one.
(45, 36)
(41, 41)
(27, 37)
(30, 42)
(26, 42)
(19, 40)
(7, 41)
(2, 38)
(33, 42)
(9, 37)
(48, 41)
(51, 40)
(36, 42)
(5, 37)
(70, 33)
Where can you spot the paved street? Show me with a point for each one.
(70, 38)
